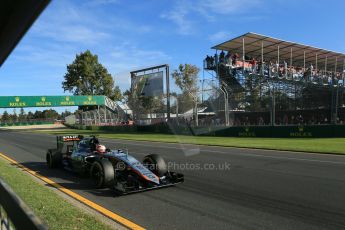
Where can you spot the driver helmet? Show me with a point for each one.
(100, 148)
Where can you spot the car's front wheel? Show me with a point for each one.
(102, 173)
(156, 164)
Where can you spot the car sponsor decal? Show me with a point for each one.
(70, 138)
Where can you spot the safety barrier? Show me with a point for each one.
(293, 131)
(14, 214)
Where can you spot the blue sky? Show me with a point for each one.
(132, 34)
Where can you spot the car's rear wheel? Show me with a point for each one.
(102, 173)
(53, 158)
(156, 164)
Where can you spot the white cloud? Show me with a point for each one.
(184, 13)
(101, 2)
(227, 6)
(52, 55)
(219, 36)
(66, 22)
(127, 57)
(178, 15)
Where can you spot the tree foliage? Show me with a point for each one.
(86, 76)
(117, 95)
(5, 117)
(186, 78)
(48, 114)
(143, 104)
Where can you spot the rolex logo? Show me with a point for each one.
(246, 129)
(300, 128)
(17, 99)
(89, 98)
(67, 98)
(43, 99)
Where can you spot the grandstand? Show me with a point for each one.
(269, 81)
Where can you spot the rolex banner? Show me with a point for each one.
(49, 101)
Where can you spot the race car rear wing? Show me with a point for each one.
(71, 138)
(60, 140)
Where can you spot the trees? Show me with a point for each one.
(14, 116)
(143, 104)
(117, 95)
(5, 117)
(186, 78)
(86, 76)
(22, 115)
(47, 114)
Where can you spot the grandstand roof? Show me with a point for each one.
(253, 45)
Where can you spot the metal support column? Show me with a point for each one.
(336, 105)
(278, 62)
(168, 90)
(105, 114)
(273, 107)
(291, 63)
(316, 62)
(278, 58)
(325, 65)
(226, 105)
(303, 61)
(98, 115)
(176, 109)
(262, 59)
(343, 73)
(243, 56)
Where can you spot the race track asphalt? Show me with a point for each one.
(224, 188)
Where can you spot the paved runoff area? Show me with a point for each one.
(224, 188)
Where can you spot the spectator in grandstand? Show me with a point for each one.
(329, 79)
(267, 68)
(216, 59)
(222, 57)
(306, 74)
(235, 58)
(228, 58)
(277, 69)
(208, 62)
(212, 64)
(253, 62)
(285, 69)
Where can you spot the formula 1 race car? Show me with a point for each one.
(111, 168)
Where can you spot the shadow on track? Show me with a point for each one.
(68, 179)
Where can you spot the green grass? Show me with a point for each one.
(320, 145)
(52, 209)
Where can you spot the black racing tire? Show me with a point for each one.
(53, 158)
(102, 173)
(156, 164)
